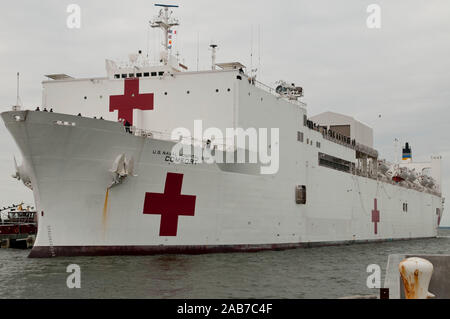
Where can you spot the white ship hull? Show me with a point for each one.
(234, 209)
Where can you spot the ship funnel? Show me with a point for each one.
(406, 154)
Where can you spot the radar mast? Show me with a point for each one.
(165, 21)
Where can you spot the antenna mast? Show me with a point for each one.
(17, 106)
(165, 22)
(259, 47)
(198, 48)
(213, 56)
(396, 151)
(251, 52)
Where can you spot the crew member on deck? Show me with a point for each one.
(127, 126)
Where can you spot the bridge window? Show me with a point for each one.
(153, 73)
(146, 74)
(124, 76)
(139, 75)
(117, 76)
(131, 75)
(160, 73)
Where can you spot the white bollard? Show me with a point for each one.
(416, 275)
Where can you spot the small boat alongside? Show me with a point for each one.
(18, 226)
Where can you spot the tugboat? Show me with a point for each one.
(18, 226)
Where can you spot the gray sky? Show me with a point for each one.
(401, 71)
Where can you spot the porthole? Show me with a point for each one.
(188, 92)
(85, 97)
(228, 89)
(217, 90)
(165, 93)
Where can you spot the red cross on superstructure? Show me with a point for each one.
(130, 100)
(170, 204)
(375, 216)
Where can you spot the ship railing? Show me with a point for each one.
(18, 218)
(220, 144)
(6, 222)
(357, 146)
(141, 63)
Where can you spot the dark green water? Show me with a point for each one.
(325, 272)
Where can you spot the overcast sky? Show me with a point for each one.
(400, 71)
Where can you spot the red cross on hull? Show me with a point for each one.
(131, 100)
(375, 216)
(170, 204)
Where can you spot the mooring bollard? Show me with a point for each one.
(416, 275)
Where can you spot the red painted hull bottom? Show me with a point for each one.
(69, 251)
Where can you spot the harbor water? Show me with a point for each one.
(321, 272)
